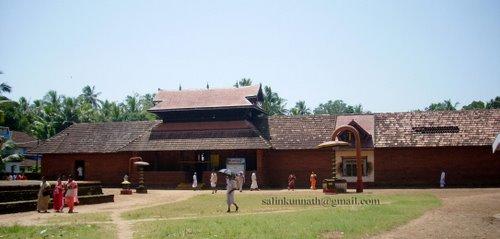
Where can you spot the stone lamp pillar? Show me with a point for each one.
(140, 166)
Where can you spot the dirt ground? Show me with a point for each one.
(465, 213)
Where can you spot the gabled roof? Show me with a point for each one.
(475, 128)
(104, 137)
(300, 132)
(200, 136)
(407, 129)
(206, 99)
(365, 122)
(24, 140)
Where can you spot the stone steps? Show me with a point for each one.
(21, 196)
(30, 205)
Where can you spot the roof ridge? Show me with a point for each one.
(211, 89)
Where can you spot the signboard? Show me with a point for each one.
(235, 164)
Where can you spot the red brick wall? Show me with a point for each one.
(278, 164)
(465, 166)
(107, 168)
(166, 179)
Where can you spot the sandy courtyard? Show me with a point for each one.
(465, 213)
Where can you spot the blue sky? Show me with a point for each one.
(386, 55)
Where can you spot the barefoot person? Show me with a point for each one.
(58, 199)
(42, 204)
(195, 181)
(240, 180)
(313, 179)
(213, 182)
(442, 181)
(71, 195)
(254, 185)
(291, 181)
(231, 187)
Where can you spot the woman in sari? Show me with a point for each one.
(291, 181)
(57, 199)
(42, 204)
(313, 179)
(71, 195)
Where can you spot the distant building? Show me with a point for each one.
(24, 143)
(204, 130)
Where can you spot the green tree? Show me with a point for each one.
(338, 107)
(90, 96)
(243, 82)
(474, 105)
(5, 88)
(440, 106)
(8, 152)
(273, 103)
(300, 109)
(494, 103)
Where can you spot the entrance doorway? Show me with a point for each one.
(80, 170)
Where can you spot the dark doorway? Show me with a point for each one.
(80, 170)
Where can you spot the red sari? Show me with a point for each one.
(291, 182)
(71, 195)
(58, 196)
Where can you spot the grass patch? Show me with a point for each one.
(79, 218)
(306, 222)
(103, 231)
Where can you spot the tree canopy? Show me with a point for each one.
(338, 107)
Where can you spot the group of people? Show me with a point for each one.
(313, 180)
(12, 177)
(63, 193)
(233, 182)
(239, 181)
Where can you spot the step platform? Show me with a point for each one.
(21, 196)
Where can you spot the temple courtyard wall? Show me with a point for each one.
(392, 167)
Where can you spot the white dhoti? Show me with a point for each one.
(230, 187)
(254, 185)
(442, 182)
(195, 182)
(254, 182)
(230, 198)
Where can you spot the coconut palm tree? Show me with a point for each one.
(5, 88)
(89, 95)
(300, 109)
(243, 82)
(273, 104)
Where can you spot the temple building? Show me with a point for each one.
(205, 130)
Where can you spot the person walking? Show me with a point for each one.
(195, 182)
(442, 180)
(240, 180)
(71, 195)
(42, 204)
(291, 182)
(213, 182)
(58, 197)
(254, 185)
(231, 187)
(313, 179)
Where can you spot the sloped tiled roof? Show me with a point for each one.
(200, 136)
(475, 128)
(104, 137)
(24, 140)
(209, 98)
(300, 132)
